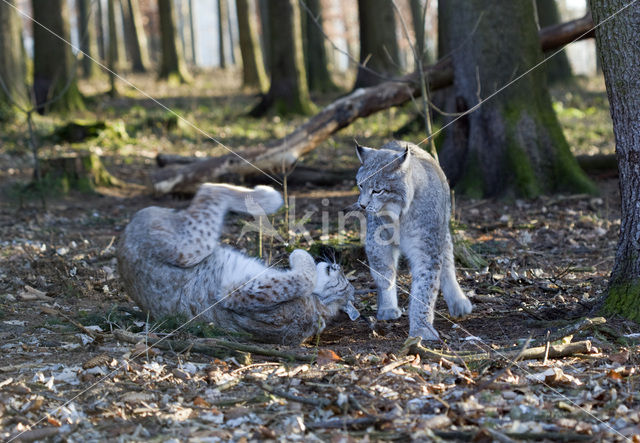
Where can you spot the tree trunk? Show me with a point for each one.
(513, 143)
(87, 35)
(617, 41)
(102, 45)
(288, 93)
(360, 103)
(317, 65)
(253, 73)
(54, 78)
(418, 19)
(378, 43)
(135, 39)
(192, 34)
(558, 68)
(12, 66)
(112, 50)
(223, 32)
(172, 63)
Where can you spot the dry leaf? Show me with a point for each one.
(54, 421)
(98, 360)
(326, 356)
(620, 357)
(199, 401)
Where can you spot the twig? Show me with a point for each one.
(319, 402)
(93, 334)
(349, 423)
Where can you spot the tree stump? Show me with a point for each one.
(83, 172)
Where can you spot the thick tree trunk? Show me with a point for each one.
(172, 63)
(378, 42)
(87, 33)
(315, 53)
(558, 68)
(617, 42)
(135, 39)
(12, 59)
(288, 93)
(341, 113)
(53, 67)
(253, 73)
(513, 143)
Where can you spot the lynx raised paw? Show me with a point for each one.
(427, 333)
(389, 314)
(301, 260)
(460, 307)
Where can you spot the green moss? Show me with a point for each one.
(624, 299)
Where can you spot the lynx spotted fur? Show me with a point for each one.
(406, 198)
(173, 262)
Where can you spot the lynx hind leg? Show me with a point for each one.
(383, 261)
(275, 286)
(458, 303)
(185, 238)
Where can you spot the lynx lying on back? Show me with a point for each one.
(406, 197)
(172, 262)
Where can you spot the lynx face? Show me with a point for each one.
(382, 180)
(332, 286)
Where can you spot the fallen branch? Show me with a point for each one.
(283, 153)
(319, 402)
(537, 353)
(210, 346)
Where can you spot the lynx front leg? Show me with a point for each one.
(425, 275)
(382, 254)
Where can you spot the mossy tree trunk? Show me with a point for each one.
(54, 78)
(315, 53)
(12, 66)
(135, 39)
(512, 144)
(253, 72)
(558, 68)
(172, 63)
(288, 93)
(378, 43)
(617, 41)
(87, 33)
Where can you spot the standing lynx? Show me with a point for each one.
(406, 198)
(172, 262)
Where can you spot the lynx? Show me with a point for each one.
(173, 262)
(406, 199)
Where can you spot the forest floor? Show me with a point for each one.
(65, 373)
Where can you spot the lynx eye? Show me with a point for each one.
(328, 270)
(377, 191)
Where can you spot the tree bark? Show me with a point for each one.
(53, 67)
(253, 73)
(135, 38)
(341, 113)
(288, 93)
(617, 41)
(87, 34)
(102, 45)
(417, 18)
(172, 64)
(113, 59)
(192, 34)
(317, 65)
(12, 58)
(378, 42)
(513, 144)
(558, 68)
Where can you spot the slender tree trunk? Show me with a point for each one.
(418, 17)
(223, 32)
(192, 34)
(378, 42)
(12, 61)
(87, 34)
(512, 143)
(318, 75)
(265, 35)
(288, 92)
(172, 64)
(102, 45)
(54, 76)
(253, 73)
(135, 38)
(112, 49)
(558, 68)
(617, 41)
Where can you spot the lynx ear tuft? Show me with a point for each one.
(362, 152)
(403, 158)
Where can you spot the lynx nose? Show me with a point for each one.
(362, 205)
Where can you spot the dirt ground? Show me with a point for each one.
(65, 374)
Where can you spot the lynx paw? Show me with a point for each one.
(301, 260)
(461, 306)
(389, 314)
(269, 199)
(427, 333)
